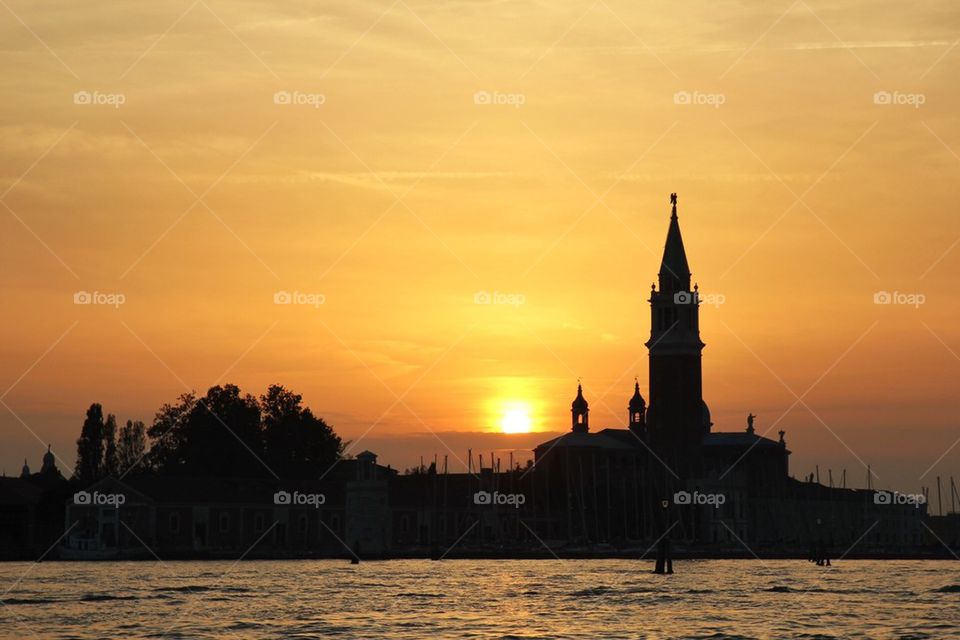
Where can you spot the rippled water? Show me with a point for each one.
(481, 599)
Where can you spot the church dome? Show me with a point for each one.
(637, 402)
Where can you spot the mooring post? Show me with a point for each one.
(664, 560)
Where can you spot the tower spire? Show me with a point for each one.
(676, 418)
(674, 270)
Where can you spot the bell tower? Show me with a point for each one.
(676, 418)
(637, 408)
(580, 412)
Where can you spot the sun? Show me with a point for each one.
(516, 419)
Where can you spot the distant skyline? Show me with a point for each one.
(393, 163)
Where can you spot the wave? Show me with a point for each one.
(87, 597)
(592, 591)
(199, 588)
(243, 625)
(31, 601)
(780, 588)
(105, 597)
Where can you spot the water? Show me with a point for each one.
(481, 599)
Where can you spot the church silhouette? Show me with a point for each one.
(667, 478)
(669, 471)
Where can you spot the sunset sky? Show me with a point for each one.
(394, 159)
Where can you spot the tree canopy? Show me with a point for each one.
(90, 446)
(229, 433)
(224, 433)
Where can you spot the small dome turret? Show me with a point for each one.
(580, 410)
(637, 408)
(637, 403)
(579, 403)
(49, 462)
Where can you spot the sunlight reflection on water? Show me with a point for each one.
(482, 599)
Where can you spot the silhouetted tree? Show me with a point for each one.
(216, 435)
(296, 442)
(223, 434)
(110, 446)
(228, 433)
(131, 446)
(90, 446)
(168, 434)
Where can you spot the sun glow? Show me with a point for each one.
(517, 419)
(513, 405)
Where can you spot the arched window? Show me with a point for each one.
(174, 523)
(224, 522)
(258, 523)
(302, 524)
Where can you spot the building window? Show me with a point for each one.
(404, 524)
(174, 523)
(224, 522)
(302, 524)
(258, 523)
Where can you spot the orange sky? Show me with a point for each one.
(391, 188)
